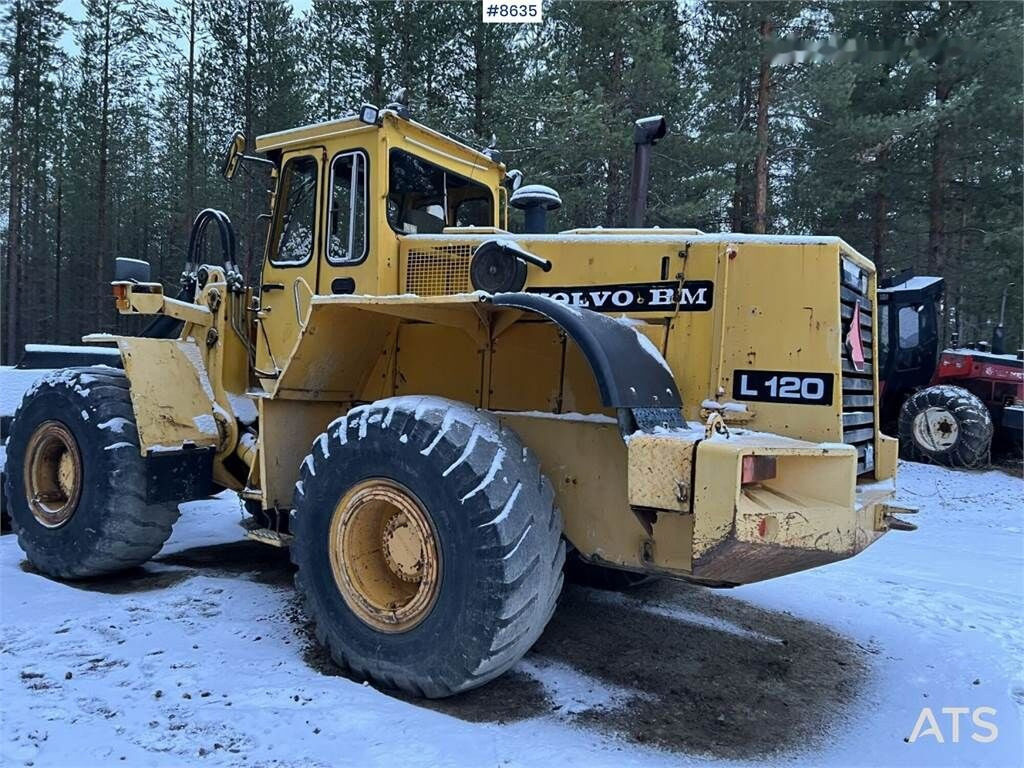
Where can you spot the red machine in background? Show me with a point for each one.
(953, 407)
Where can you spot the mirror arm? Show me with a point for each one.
(254, 159)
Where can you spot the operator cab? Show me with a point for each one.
(908, 333)
(345, 193)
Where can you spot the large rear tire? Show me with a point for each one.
(947, 425)
(75, 481)
(428, 545)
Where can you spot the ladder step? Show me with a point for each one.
(267, 536)
(256, 532)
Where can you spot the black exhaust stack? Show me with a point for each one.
(647, 131)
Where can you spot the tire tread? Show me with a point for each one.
(519, 559)
(132, 530)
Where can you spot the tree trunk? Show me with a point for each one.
(879, 228)
(102, 194)
(614, 191)
(377, 31)
(58, 251)
(190, 123)
(34, 316)
(937, 187)
(330, 86)
(250, 143)
(738, 214)
(952, 325)
(14, 200)
(481, 80)
(764, 83)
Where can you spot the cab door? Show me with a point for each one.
(347, 268)
(293, 255)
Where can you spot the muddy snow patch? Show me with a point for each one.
(572, 692)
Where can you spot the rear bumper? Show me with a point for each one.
(742, 559)
(811, 513)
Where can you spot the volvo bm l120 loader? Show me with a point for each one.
(433, 413)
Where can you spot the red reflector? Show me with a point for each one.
(758, 468)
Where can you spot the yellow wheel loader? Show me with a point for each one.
(431, 411)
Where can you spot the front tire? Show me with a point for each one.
(75, 481)
(428, 545)
(947, 425)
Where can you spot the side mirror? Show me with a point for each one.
(514, 179)
(233, 155)
(131, 271)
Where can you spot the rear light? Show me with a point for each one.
(120, 291)
(956, 361)
(757, 469)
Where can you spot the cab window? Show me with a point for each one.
(908, 323)
(296, 200)
(883, 325)
(425, 198)
(347, 225)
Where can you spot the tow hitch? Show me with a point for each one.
(893, 523)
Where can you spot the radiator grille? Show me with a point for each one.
(858, 385)
(438, 271)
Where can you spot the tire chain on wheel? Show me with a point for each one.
(974, 427)
(500, 500)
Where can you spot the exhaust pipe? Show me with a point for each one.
(647, 131)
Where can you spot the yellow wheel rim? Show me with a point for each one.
(384, 555)
(53, 474)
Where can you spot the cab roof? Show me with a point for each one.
(389, 121)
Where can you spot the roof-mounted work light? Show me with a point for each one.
(369, 114)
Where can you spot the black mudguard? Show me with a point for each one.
(49, 357)
(628, 375)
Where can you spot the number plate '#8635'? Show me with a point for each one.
(783, 387)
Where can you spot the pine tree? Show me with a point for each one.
(30, 125)
(333, 67)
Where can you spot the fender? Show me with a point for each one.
(46, 357)
(631, 375)
(629, 372)
(169, 417)
(347, 351)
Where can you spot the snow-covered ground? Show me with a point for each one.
(202, 657)
(13, 384)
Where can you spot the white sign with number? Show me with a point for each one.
(509, 12)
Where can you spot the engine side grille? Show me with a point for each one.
(438, 271)
(858, 385)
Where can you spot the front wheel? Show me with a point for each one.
(428, 545)
(75, 481)
(947, 425)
